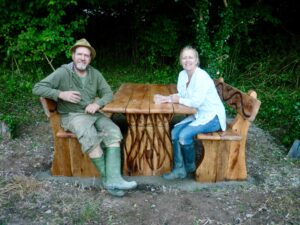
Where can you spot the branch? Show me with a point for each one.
(15, 61)
(225, 3)
(49, 62)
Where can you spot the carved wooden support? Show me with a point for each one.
(148, 149)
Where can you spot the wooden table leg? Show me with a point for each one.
(147, 148)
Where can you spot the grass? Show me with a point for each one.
(17, 188)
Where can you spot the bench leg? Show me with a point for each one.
(147, 147)
(222, 160)
(61, 160)
(237, 169)
(81, 164)
(70, 161)
(214, 162)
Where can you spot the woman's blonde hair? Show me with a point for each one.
(189, 47)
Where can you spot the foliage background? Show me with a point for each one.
(252, 44)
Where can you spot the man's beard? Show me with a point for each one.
(80, 66)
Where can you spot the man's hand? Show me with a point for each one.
(70, 96)
(92, 108)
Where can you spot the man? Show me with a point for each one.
(80, 91)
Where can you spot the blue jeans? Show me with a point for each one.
(185, 133)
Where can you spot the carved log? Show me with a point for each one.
(68, 158)
(224, 152)
(148, 149)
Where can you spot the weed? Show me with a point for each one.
(17, 187)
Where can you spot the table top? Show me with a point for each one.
(138, 99)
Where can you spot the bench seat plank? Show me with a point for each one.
(65, 134)
(228, 135)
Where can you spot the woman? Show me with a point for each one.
(195, 89)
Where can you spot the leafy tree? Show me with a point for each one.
(37, 30)
(220, 26)
(159, 40)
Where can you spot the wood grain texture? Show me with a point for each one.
(138, 99)
(120, 100)
(225, 152)
(68, 158)
(227, 135)
(245, 104)
(147, 149)
(159, 108)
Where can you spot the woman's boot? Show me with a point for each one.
(189, 157)
(179, 169)
(114, 180)
(100, 165)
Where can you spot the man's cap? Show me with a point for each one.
(83, 43)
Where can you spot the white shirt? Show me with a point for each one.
(201, 94)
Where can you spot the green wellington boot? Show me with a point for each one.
(189, 157)
(179, 169)
(100, 165)
(114, 180)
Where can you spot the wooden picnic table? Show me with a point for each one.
(147, 146)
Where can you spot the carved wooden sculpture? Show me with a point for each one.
(68, 158)
(224, 152)
(147, 145)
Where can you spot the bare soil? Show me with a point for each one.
(271, 195)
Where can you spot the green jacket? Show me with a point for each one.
(96, 89)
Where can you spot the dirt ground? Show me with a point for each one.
(271, 194)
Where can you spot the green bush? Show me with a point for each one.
(273, 78)
(16, 97)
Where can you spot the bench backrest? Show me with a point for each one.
(50, 109)
(247, 105)
(49, 106)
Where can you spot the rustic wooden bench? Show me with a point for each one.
(68, 158)
(223, 157)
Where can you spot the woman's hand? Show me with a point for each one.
(160, 99)
(174, 98)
